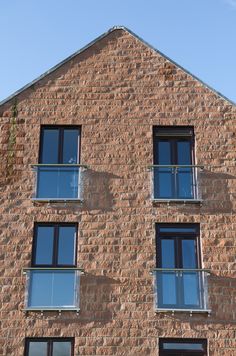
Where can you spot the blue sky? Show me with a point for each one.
(200, 35)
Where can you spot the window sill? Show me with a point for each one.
(181, 201)
(190, 311)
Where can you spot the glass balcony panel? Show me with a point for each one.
(181, 289)
(58, 182)
(52, 289)
(176, 182)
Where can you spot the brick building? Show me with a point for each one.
(118, 208)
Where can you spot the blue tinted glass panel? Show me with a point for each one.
(70, 146)
(66, 245)
(182, 346)
(184, 153)
(163, 177)
(37, 348)
(52, 289)
(50, 146)
(189, 253)
(61, 348)
(191, 289)
(58, 182)
(44, 245)
(164, 152)
(168, 253)
(185, 183)
(167, 293)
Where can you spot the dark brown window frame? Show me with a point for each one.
(190, 235)
(50, 341)
(163, 352)
(172, 133)
(61, 128)
(56, 226)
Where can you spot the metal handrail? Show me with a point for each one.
(182, 269)
(175, 166)
(59, 165)
(52, 269)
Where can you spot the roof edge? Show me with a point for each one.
(114, 28)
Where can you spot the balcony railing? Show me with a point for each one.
(59, 182)
(176, 182)
(52, 288)
(181, 290)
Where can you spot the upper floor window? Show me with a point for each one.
(54, 245)
(175, 175)
(182, 347)
(53, 280)
(49, 347)
(180, 282)
(59, 145)
(58, 173)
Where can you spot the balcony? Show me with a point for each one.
(176, 183)
(181, 290)
(52, 289)
(57, 182)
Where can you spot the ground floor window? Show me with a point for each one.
(182, 347)
(49, 347)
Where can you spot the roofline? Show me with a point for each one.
(19, 91)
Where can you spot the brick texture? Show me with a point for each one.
(117, 90)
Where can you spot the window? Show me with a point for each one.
(182, 347)
(49, 347)
(53, 280)
(180, 281)
(59, 145)
(58, 171)
(174, 170)
(54, 245)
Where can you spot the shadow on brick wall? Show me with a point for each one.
(97, 190)
(96, 301)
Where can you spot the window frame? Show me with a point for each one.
(173, 352)
(49, 341)
(56, 226)
(61, 129)
(178, 253)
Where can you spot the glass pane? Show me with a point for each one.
(182, 346)
(185, 183)
(64, 285)
(189, 253)
(52, 289)
(61, 348)
(191, 289)
(50, 146)
(163, 178)
(167, 291)
(44, 245)
(54, 182)
(184, 153)
(167, 253)
(164, 152)
(66, 245)
(37, 348)
(70, 146)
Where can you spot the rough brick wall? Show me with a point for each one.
(117, 90)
